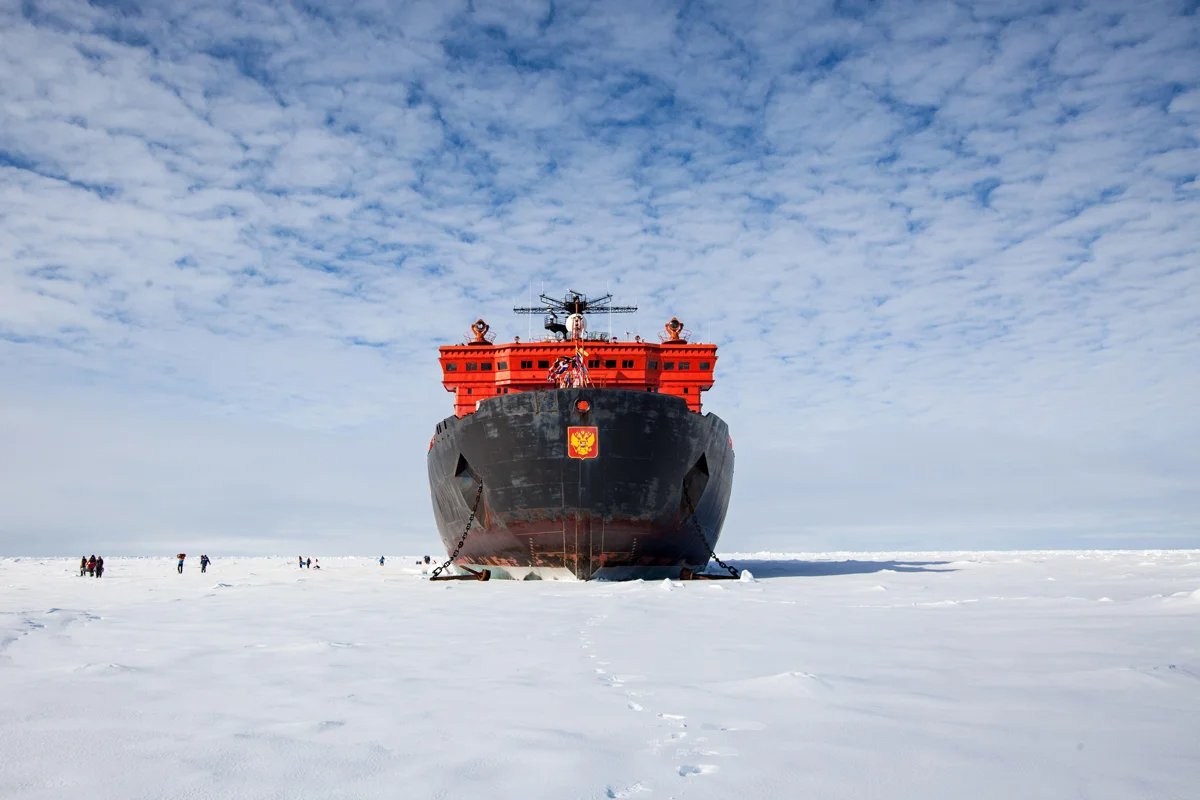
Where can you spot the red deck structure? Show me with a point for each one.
(481, 369)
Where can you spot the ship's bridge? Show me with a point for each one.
(481, 369)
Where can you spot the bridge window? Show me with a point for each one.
(526, 365)
(501, 365)
(451, 367)
(468, 390)
(705, 365)
(668, 365)
(593, 363)
(685, 365)
(543, 364)
(685, 390)
(627, 363)
(652, 364)
(610, 363)
(486, 366)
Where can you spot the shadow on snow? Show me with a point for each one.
(789, 568)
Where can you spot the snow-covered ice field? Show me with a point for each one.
(953, 675)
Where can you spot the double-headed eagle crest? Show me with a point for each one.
(582, 442)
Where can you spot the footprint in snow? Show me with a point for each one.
(688, 770)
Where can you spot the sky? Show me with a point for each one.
(948, 251)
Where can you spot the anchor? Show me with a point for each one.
(473, 575)
(687, 574)
(481, 575)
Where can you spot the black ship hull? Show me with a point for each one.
(625, 512)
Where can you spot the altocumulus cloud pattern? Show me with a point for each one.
(956, 241)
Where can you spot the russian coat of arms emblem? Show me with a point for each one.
(583, 441)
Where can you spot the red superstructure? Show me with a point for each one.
(481, 369)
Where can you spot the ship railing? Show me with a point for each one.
(589, 336)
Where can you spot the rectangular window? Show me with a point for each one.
(610, 363)
(526, 365)
(668, 365)
(468, 391)
(543, 365)
(627, 363)
(501, 365)
(685, 365)
(472, 366)
(652, 364)
(486, 366)
(451, 367)
(685, 390)
(497, 390)
(705, 365)
(593, 363)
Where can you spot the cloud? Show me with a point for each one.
(972, 221)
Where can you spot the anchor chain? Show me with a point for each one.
(700, 532)
(463, 539)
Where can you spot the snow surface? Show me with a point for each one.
(953, 675)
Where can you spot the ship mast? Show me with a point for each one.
(573, 326)
(569, 371)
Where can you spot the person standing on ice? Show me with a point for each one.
(381, 561)
(300, 561)
(204, 562)
(83, 566)
(99, 566)
(91, 565)
(181, 557)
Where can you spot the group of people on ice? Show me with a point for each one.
(91, 566)
(427, 560)
(308, 563)
(204, 562)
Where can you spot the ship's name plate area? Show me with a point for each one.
(583, 441)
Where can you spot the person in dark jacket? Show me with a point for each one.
(83, 566)
(99, 566)
(204, 562)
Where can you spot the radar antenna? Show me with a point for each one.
(575, 304)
